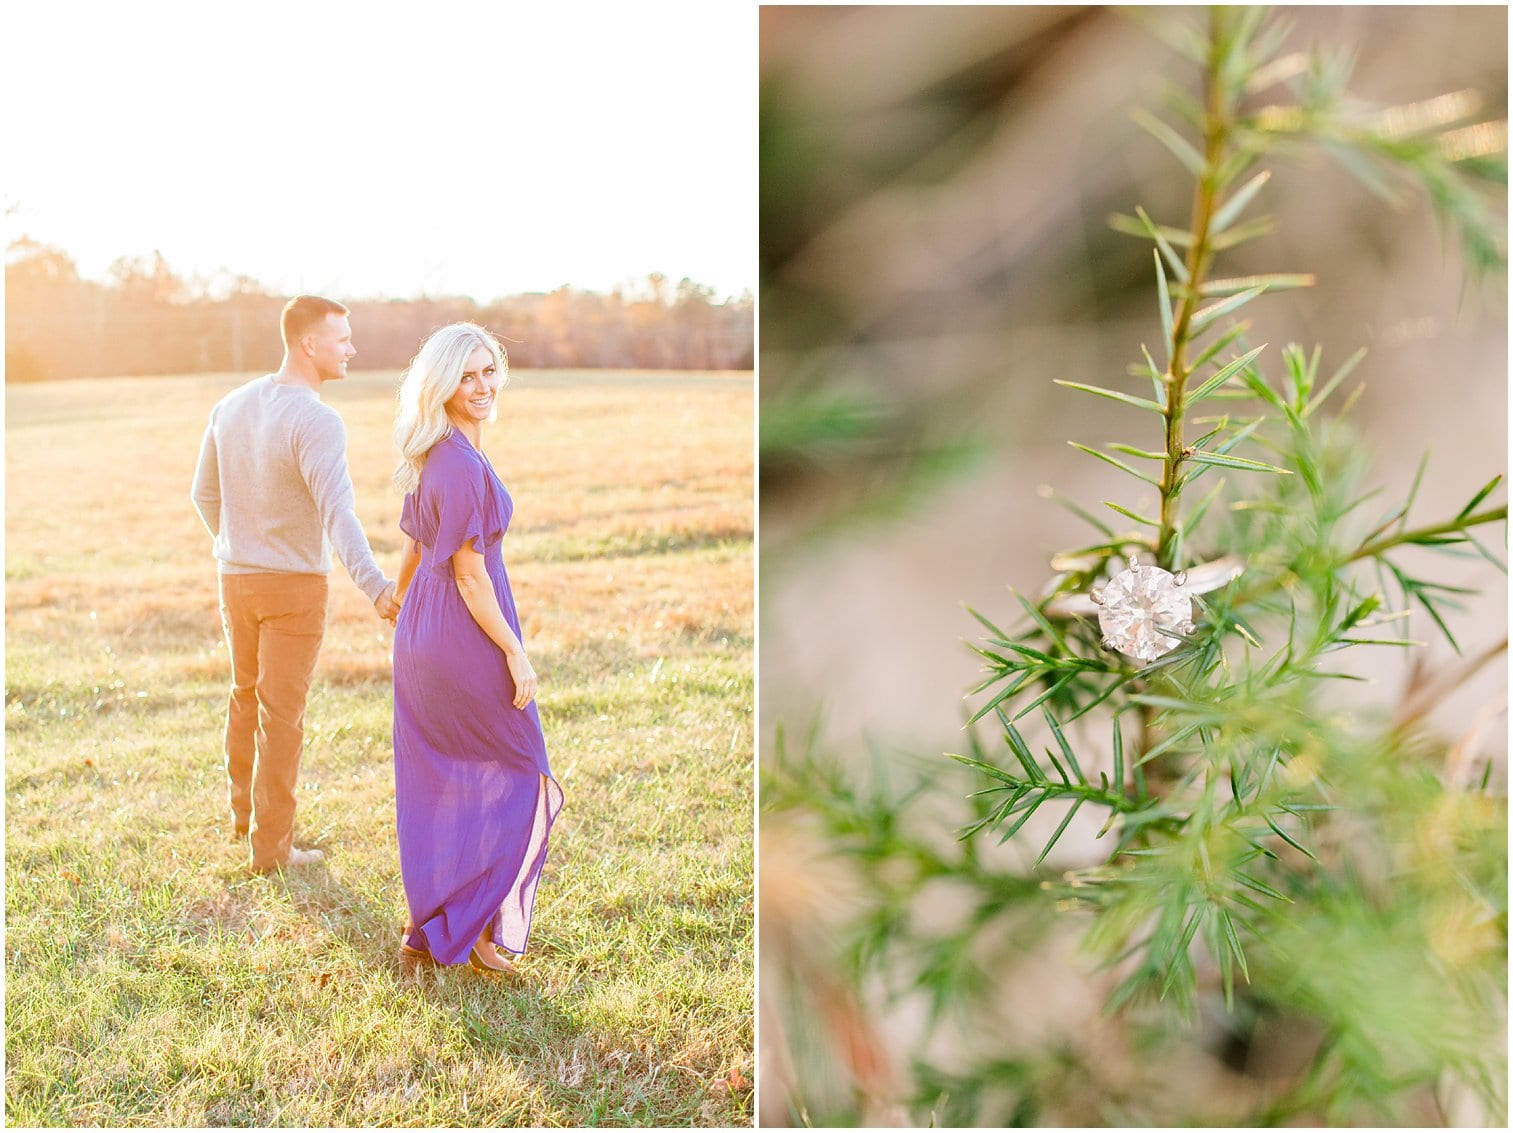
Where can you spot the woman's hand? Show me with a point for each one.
(524, 676)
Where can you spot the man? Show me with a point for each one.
(273, 488)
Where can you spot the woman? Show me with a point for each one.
(474, 795)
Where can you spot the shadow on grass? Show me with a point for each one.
(512, 1016)
(732, 537)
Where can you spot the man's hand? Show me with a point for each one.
(386, 605)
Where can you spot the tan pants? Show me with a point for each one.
(274, 625)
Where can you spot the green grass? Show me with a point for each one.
(151, 980)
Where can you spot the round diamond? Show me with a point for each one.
(1137, 605)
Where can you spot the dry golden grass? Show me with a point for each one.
(151, 980)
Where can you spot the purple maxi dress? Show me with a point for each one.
(474, 796)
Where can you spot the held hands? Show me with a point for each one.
(524, 677)
(387, 605)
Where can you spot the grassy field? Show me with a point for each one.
(151, 980)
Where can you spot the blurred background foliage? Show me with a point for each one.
(145, 318)
(936, 250)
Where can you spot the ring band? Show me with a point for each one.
(1201, 579)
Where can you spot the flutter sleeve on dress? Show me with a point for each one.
(462, 509)
(407, 522)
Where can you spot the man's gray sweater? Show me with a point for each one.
(273, 488)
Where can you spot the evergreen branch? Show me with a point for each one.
(1225, 372)
(1246, 756)
(1237, 202)
(1146, 229)
(1117, 463)
(1136, 516)
(1235, 330)
(1207, 316)
(1220, 460)
(1274, 282)
(1175, 261)
(1029, 794)
(1199, 254)
(1114, 395)
(1329, 387)
(1427, 536)
(1179, 146)
(1485, 491)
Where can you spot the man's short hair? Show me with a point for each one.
(302, 314)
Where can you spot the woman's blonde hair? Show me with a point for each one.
(431, 380)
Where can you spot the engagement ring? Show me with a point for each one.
(1139, 603)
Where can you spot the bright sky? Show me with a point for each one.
(364, 149)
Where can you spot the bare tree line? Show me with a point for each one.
(145, 319)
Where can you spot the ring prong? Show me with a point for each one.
(1134, 563)
(1180, 578)
(1096, 597)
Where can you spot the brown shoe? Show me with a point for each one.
(494, 965)
(406, 950)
